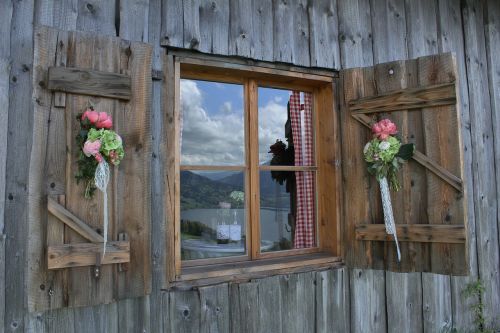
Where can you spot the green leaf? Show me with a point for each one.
(406, 151)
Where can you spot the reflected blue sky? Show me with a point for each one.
(213, 122)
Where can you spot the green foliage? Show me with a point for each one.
(476, 290)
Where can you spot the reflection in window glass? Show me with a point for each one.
(285, 129)
(287, 210)
(212, 123)
(212, 214)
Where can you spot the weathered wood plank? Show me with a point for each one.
(191, 24)
(492, 32)
(86, 254)
(2, 279)
(184, 312)
(283, 30)
(214, 303)
(332, 301)
(482, 135)
(58, 14)
(214, 26)
(408, 98)
(4, 121)
(262, 30)
(425, 233)
(240, 28)
(244, 299)
(134, 20)
(171, 29)
(158, 232)
(19, 138)
(300, 32)
(269, 306)
(323, 41)
(133, 178)
(134, 315)
(99, 318)
(45, 48)
(451, 38)
(367, 295)
(404, 302)
(73, 222)
(89, 82)
(96, 16)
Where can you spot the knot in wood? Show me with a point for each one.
(90, 8)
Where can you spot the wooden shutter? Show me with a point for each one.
(73, 70)
(421, 97)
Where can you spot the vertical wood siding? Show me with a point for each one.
(335, 34)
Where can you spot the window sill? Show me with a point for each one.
(242, 271)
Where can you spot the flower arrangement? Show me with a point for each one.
(98, 144)
(385, 154)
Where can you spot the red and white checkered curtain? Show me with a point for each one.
(301, 120)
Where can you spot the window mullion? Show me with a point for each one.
(253, 148)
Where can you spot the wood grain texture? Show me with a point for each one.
(214, 38)
(485, 194)
(85, 254)
(88, 82)
(332, 300)
(451, 38)
(323, 31)
(171, 28)
(73, 222)
(191, 32)
(492, 34)
(425, 233)
(412, 98)
(19, 140)
(96, 16)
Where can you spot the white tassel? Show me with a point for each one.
(390, 226)
(101, 182)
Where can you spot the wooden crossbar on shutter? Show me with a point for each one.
(73, 70)
(421, 97)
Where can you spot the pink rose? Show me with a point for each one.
(384, 128)
(104, 121)
(91, 148)
(98, 157)
(91, 115)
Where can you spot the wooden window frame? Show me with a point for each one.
(251, 75)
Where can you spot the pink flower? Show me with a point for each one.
(91, 115)
(98, 157)
(104, 121)
(384, 128)
(91, 148)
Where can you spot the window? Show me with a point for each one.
(252, 159)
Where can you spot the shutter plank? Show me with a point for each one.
(132, 122)
(427, 233)
(89, 82)
(403, 99)
(85, 254)
(443, 145)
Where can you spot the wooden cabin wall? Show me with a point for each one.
(341, 34)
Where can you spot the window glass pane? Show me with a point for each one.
(212, 123)
(287, 210)
(285, 128)
(212, 214)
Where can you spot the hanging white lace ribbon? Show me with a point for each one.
(390, 226)
(101, 182)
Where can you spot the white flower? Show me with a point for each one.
(367, 146)
(384, 145)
